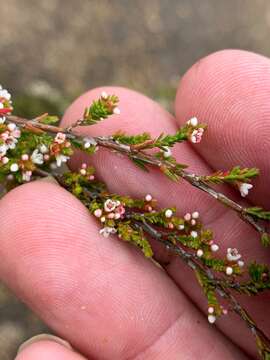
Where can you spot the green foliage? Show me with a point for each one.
(79, 144)
(50, 120)
(122, 138)
(235, 174)
(99, 109)
(127, 233)
(259, 274)
(183, 134)
(170, 173)
(140, 163)
(165, 140)
(209, 291)
(265, 239)
(258, 212)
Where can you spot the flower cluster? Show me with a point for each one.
(60, 149)
(196, 135)
(112, 210)
(5, 104)
(9, 135)
(244, 188)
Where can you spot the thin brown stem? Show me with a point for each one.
(137, 154)
(191, 261)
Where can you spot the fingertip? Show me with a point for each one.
(226, 73)
(229, 91)
(47, 349)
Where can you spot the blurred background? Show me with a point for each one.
(53, 50)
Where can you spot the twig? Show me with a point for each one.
(190, 260)
(137, 154)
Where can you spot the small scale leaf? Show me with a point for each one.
(50, 120)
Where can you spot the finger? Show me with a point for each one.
(100, 294)
(122, 176)
(45, 349)
(230, 91)
(139, 114)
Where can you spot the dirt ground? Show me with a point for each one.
(72, 46)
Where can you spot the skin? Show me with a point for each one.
(102, 295)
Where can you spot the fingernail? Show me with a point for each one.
(42, 337)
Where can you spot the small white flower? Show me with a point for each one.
(168, 213)
(195, 215)
(211, 310)
(233, 255)
(5, 160)
(11, 127)
(14, 167)
(98, 213)
(60, 138)
(5, 94)
(109, 205)
(181, 227)
(229, 270)
(199, 252)
(26, 176)
(104, 95)
(167, 152)
(193, 121)
(196, 135)
(2, 120)
(244, 188)
(89, 142)
(12, 142)
(193, 222)
(43, 149)
(60, 158)
(240, 263)
(3, 150)
(212, 319)
(25, 157)
(194, 234)
(1, 105)
(37, 157)
(116, 111)
(107, 231)
(187, 216)
(214, 247)
(148, 197)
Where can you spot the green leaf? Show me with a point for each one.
(100, 109)
(131, 139)
(231, 176)
(50, 120)
(265, 239)
(259, 273)
(258, 212)
(136, 237)
(140, 163)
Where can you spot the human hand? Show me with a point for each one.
(102, 295)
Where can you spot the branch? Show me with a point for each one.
(137, 154)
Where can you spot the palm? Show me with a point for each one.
(101, 294)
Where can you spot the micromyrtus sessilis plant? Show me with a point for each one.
(34, 148)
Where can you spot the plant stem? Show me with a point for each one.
(190, 260)
(222, 287)
(137, 154)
